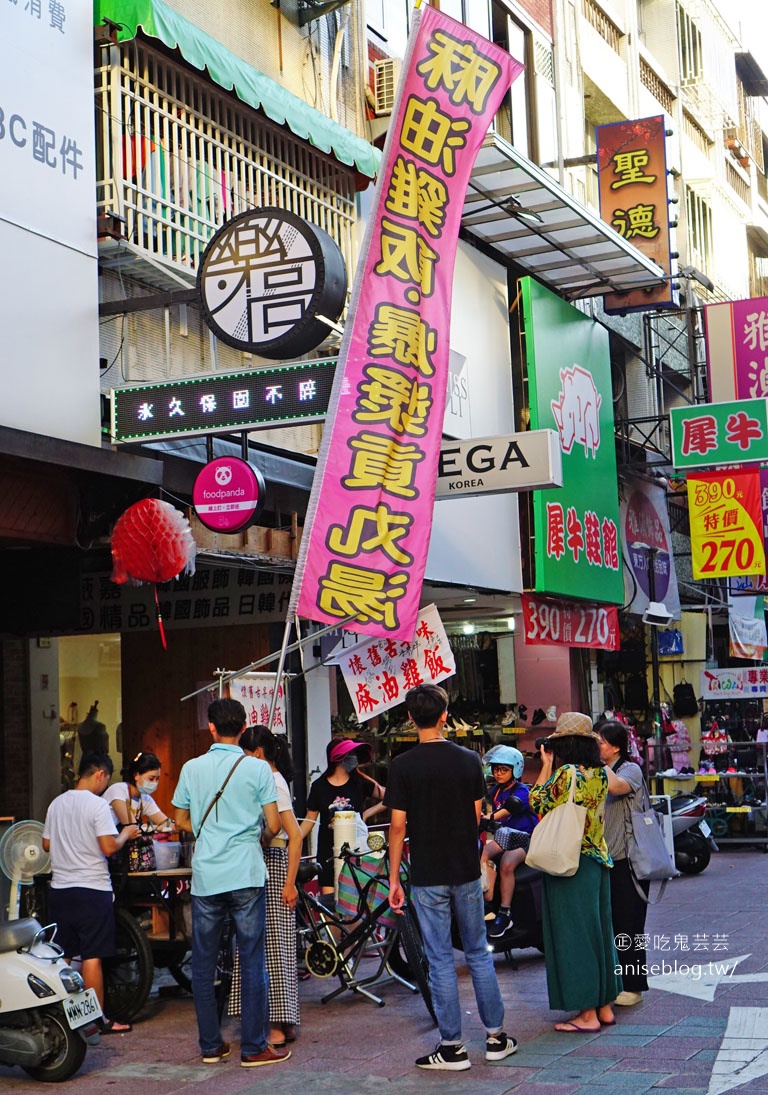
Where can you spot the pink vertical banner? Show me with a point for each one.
(737, 349)
(369, 518)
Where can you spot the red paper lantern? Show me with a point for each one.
(152, 542)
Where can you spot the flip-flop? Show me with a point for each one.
(112, 1026)
(571, 1028)
(279, 1045)
(607, 1022)
(290, 1037)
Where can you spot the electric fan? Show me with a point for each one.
(21, 858)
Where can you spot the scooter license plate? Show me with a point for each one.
(705, 829)
(82, 1008)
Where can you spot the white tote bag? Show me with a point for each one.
(555, 846)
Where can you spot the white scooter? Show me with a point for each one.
(45, 1009)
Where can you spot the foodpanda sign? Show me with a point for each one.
(228, 494)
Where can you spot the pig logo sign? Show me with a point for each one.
(576, 411)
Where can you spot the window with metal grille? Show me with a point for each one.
(699, 230)
(689, 48)
(177, 156)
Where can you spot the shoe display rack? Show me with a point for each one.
(736, 789)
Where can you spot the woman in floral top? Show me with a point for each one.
(578, 933)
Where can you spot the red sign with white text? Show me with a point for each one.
(568, 623)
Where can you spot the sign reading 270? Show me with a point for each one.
(726, 524)
(568, 623)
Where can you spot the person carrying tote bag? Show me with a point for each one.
(555, 845)
(576, 910)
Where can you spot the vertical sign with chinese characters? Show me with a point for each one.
(379, 672)
(632, 175)
(370, 513)
(576, 539)
(737, 349)
(726, 524)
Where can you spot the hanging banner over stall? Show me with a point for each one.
(632, 176)
(369, 517)
(645, 524)
(568, 623)
(379, 672)
(255, 692)
(569, 383)
(737, 349)
(726, 524)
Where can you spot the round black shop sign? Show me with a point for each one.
(263, 279)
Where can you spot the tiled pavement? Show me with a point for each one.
(671, 1043)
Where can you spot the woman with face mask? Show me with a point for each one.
(132, 801)
(342, 786)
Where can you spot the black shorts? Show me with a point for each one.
(86, 921)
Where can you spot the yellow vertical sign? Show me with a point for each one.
(726, 524)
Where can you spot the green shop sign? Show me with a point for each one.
(708, 434)
(576, 528)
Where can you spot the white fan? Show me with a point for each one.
(21, 858)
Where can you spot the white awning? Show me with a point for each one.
(517, 209)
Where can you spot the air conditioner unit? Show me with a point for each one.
(386, 74)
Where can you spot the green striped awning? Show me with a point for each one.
(229, 71)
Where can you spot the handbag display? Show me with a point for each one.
(555, 846)
(684, 702)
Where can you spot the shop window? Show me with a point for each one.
(90, 701)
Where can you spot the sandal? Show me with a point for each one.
(572, 1028)
(112, 1026)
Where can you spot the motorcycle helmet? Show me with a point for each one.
(505, 754)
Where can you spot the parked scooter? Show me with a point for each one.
(692, 836)
(45, 1008)
(526, 930)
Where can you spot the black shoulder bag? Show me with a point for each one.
(218, 795)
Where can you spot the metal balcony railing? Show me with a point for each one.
(177, 156)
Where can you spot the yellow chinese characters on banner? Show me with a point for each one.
(726, 524)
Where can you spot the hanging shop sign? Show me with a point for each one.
(746, 627)
(576, 538)
(632, 177)
(707, 434)
(264, 279)
(499, 465)
(289, 395)
(255, 692)
(379, 672)
(568, 623)
(369, 519)
(228, 494)
(755, 583)
(736, 335)
(734, 684)
(726, 524)
(644, 525)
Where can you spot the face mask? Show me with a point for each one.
(349, 763)
(149, 786)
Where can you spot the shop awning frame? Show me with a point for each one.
(517, 210)
(229, 71)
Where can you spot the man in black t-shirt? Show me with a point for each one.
(435, 791)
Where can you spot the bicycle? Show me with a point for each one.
(331, 944)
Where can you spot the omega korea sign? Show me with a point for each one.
(500, 465)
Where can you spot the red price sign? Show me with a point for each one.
(567, 623)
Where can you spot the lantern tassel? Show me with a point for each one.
(160, 620)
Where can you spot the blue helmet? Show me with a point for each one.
(506, 755)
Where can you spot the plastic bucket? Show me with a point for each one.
(167, 853)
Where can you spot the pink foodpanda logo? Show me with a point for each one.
(576, 411)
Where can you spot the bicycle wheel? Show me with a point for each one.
(128, 974)
(413, 945)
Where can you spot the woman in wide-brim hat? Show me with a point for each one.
(578, 934)
(342, 786)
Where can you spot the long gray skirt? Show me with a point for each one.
(578, 939)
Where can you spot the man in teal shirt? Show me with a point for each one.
(225, 799)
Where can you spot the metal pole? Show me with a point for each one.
(656, 700)
(279, 673)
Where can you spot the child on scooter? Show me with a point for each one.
(507, 848)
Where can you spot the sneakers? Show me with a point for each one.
(272, 1055)
(217, 1055)
(446, 1058)
(703, 770)
(500, 926)
(498, 1046)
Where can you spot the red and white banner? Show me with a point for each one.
(369, 519)
(255, 692)
(379, 672)
(567, 623)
